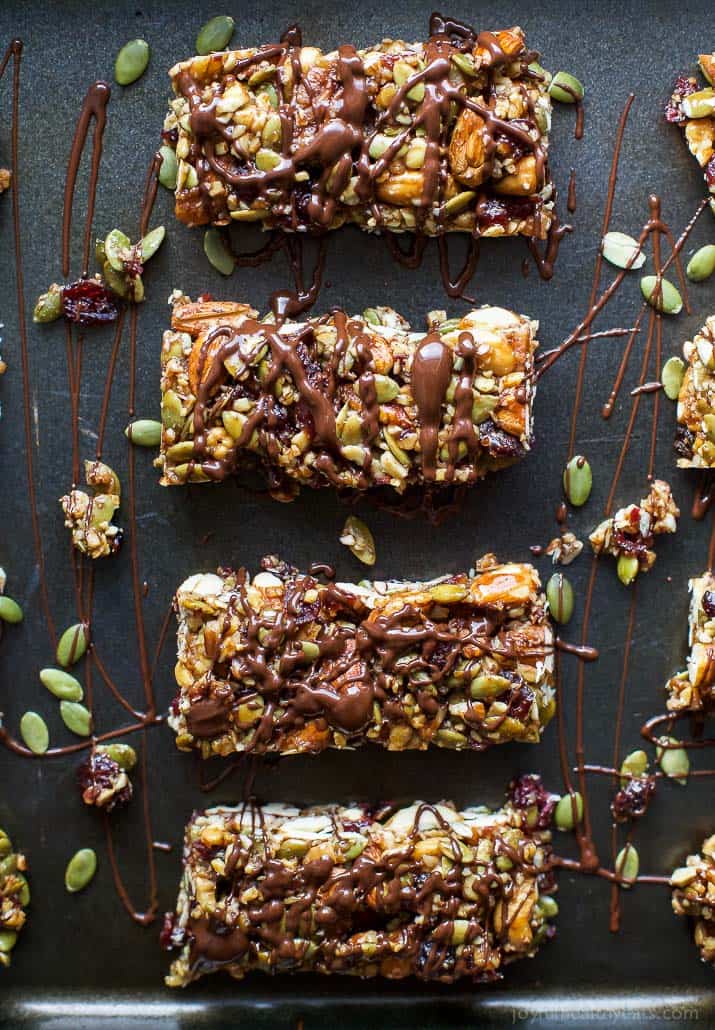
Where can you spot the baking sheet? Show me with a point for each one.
(81, 961)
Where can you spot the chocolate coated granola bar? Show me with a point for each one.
(693, 109)
(695, 438)
(447, 135)
(284, 663)
(356, 402)
(429, 891)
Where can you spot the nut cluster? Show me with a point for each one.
(14, 896)
(694, 895)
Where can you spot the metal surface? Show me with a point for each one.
(81, 962)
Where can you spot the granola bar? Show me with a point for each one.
(89, 517)
(692, 689)
(450, 135)
(695, 437)
(285, 663)
(694, 895)
(631, 530)
(354, 402)
(429, 891)
(14, 896)
(693, 109)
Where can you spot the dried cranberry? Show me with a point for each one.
(628, 544)
(683, 443)
(520, 701)
(529, 792)
(492, 212)
(683, 87)
(170, 136)
(631, 801)
(498, 442)
(440, 653)
(204, 298)
(710, 172)
(99, 778)
(89, 302)
(709, 602)
(174, 706)
(172, 935)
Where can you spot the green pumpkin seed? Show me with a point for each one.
(458, 203)
(216, 251)
(622, 250)
(564, 811)
(24, 892)
(371, 316)
(672, 377)
(272, 130)
(214, 35)
(123, 754)
(76, 718)
(80, 870)
(151, 242)
(484, 405)
(665, 297)
(386, 389)
(627, 568)
(8, 866)
(465, 64)
(267, 160)
(559, 594)
(145, 432)
(172, 415)
(33, 730)
(488, 685)
(8, 939)
(549, 906)
(634, 764)
(131, 62)
(116, 248)
(10, 611)
(310, 649)
(578, 480)
(673, 761)
(566, 88)
(61, 684)
(702, 264)
(169, 168)
(49, 305)
(357, 537)
(5, 844)
(449, 325)
(72, 644)
(118, 282)
(627, 864)
(700, 104)
(539, 72)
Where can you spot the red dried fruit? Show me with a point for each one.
(709, 602)
(529, 792)
(710, 173)
(102, 782)
(89, 302)
(631, 802)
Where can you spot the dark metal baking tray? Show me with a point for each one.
(81, 962)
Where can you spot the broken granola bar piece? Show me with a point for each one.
(630, 532)
(692, 689)
(692, 107)
(90, 516)
(14, 896)
(694, 895)
(695, 438)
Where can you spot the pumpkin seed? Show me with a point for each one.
(386, 389)
(549, 906)
(49, 305)
(172, 415)
(61, 684)
(5, 844)
(80, 870)
(116, 281)
(672, 377)
(215, 34)
(634, 764)
(10, 611)
(565, 88)
(578, 480)
(371, 316)
(272, 130)
(559, 594)
(33, 730)
(310, 649)
(8, 939)
(700, 104)
(123, 754)
(564, 811)
(709, 424)
(72, 644)
(116, 248)
(149, 245)
(217, 253)
(448, 593)
(76, 718)
(267, 160)
(622, 250)
(627, 864)
(673, 761)
(664, 297)
(145, 432)
(627, 568)
(357, 537)
(24, 893)
(465, 64)
(397, 452)
(131, 62)
(702, 264)
(449, 325)
(539, 72)
(488, 685)
(169, 168)
(483, 406)
(458, 203)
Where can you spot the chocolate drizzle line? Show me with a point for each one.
(93, 109)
